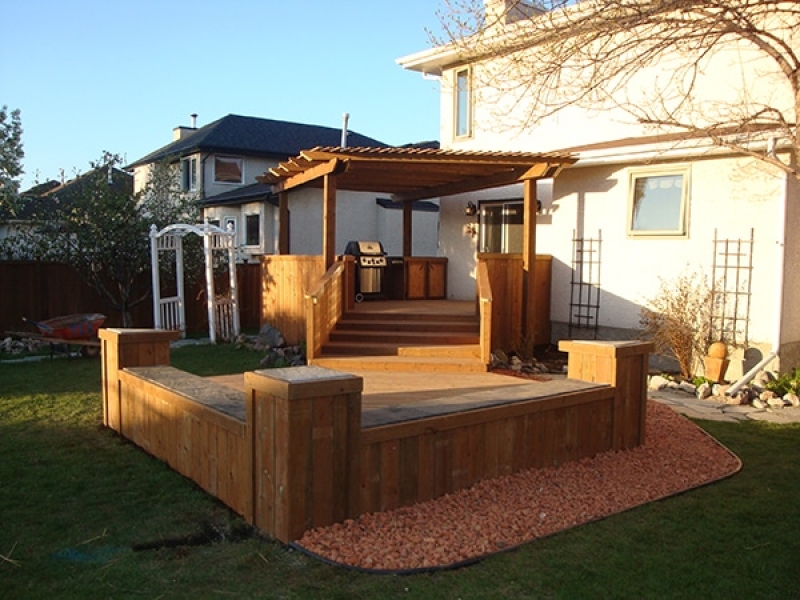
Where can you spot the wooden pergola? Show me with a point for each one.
(410, 174)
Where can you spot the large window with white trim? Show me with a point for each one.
(463, 104)
(658, 202)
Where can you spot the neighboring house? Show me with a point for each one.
(634, 213)
(43, 200)
(219, 163)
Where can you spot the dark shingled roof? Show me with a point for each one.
(253, 135)
(246, 193)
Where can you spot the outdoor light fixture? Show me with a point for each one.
(471, 210)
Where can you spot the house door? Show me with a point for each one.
(501, 227)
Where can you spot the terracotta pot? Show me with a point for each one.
(715, 368)
(718, 350)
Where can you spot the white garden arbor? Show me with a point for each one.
(223, 310)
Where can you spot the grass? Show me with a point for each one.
(75, 499)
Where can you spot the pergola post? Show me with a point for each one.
(529, 262)
(329, 220)
(283, 223)
(408, 216)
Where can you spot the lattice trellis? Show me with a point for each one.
(584, 303)
(731, 285)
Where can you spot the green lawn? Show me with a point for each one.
(76, 501)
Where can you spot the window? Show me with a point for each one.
(658, 203)
(229, 224)
(501, 227)
(188, 174)
(228, 169)
(252, 230)
(463, 104)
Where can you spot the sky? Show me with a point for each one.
(90, 76)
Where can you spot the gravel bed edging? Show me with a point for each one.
(501, 514)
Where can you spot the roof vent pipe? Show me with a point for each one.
(194, 120)
(345, 118)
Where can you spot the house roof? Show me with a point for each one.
(247, 193)
(413, 173)
(50, 196)
(253, 135)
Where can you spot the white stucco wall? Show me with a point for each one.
(729, 195)
(358, 217)
(502, 107)
(238, 214)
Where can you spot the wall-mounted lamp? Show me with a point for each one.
(471, 210)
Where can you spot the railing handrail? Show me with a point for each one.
(317, 329)
(484, 288)
(320, 288)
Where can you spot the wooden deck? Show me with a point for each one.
(395, 389)
(293, 449)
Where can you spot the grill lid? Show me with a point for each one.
(364, 248)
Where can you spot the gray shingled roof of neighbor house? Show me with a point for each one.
(253, 135)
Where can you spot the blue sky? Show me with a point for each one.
(90, 75)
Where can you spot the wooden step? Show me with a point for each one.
(408, 325)
(401, 363)
(409, 316)
(448, 351)
(404, 337)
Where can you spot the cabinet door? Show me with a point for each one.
(437, 279)
(416, 270)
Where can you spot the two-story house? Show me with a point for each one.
(218, 164)
(640, 207)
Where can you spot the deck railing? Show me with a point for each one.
(324, 306)
(484, 286)
(505, 274)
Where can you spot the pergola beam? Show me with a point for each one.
(331, 167)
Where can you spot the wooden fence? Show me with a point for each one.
(293, 453)
(43, 290)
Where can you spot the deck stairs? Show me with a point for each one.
(404, 342)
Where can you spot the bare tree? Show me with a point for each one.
(543, 57)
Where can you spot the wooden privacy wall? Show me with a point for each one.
(506, 280)
(291, 453)
(406, 463)
(285, 281)
(182, 419)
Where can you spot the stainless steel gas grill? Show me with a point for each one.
(370, 266)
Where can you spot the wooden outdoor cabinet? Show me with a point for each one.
(426, 278)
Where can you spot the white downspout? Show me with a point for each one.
(777, 310)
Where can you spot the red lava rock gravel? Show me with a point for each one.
(507, 511)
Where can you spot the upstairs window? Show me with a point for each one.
(228, 169)
(658, 203)
(252, 227)
(463, 104)
(501, 227)
(188, 174)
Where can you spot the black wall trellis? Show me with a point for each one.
(731, 285)
(584, 302)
